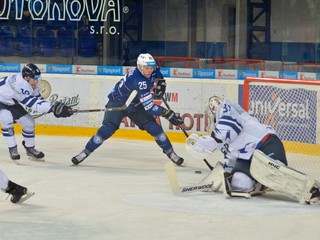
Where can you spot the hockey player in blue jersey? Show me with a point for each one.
(24, 88)
(254, 156)
(141, 110)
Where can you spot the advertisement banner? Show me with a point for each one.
(110, 70)
(292, 121)
(242, 74)
(10, 67)
(203, 73)
(185, 96)
(57, 68)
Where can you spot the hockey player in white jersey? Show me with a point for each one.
(18, 193)
(255, 157)
(24, 88)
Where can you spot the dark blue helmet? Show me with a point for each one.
(31, 71)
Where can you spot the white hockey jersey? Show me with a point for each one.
(14, 88)
(239, 132)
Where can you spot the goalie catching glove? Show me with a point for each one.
(160, 87)
(60, 110)
(173, 117)
(200, 147)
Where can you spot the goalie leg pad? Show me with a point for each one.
(229, 189)
(242, 182)
(216, 177)
(278, 177)
(221, 180)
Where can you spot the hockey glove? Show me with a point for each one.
(60, 110)
(160, 88)
(173, 117)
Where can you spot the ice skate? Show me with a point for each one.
(174, 157)
(33, 153)
(259, 189)
(315, 196)
(80, 157)
(18, 193)
(14, 153)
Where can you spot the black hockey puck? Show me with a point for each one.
(198, 172)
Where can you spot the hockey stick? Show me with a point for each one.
(167, 105)
(173, 181)
(132, 95)
(184, 131)
(200, 187)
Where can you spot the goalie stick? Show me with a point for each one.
(132, 95)
(185, 132)
(204, 185)
(173, 181)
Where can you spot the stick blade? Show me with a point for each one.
(172, 177)
(131, 97)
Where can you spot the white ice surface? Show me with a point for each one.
(121, 192)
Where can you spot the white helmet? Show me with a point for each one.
(212, 105)
(145, 59)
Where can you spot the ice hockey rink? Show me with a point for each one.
(121, 192)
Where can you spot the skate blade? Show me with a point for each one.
(36, 159)
(240, 194)
(75, 165)
(26, 196)
(182, 165)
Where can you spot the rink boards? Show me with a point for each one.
(184, 95)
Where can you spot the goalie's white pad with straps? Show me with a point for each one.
(212, 182)
(281, 178)
(219, 179)
(227, 190)
(215, 177)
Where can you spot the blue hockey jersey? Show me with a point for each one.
(136, 81)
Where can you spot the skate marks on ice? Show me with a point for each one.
(215, 204)
(117, 194)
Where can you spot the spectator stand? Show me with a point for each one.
(87, 43)
(46, 42)
(7, 41)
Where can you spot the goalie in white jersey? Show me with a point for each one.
(24, 88)
(244, 140)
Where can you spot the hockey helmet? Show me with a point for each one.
(145, 59)
(212, 104)
(30, 70)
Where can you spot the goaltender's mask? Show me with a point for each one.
(211, 107)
